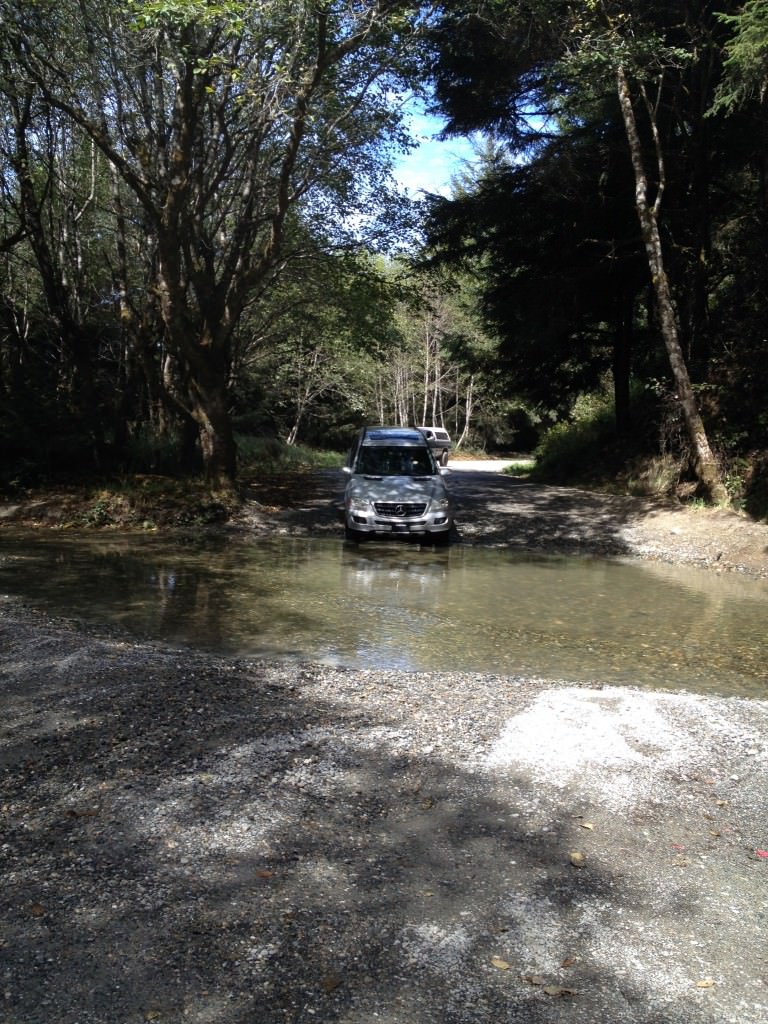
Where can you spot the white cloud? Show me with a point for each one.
(432, 164)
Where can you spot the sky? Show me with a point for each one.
(431, 166)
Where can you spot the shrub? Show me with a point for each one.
(655, 475)
(271, 455)
(583, 448)
(756, 487)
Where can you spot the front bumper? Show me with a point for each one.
(371, 522)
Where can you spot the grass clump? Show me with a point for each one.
(270, 455)
(583, 449)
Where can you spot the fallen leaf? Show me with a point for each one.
(330, 982)
(763, 854)
(534, 979)
(557, 991)
(588, 824)
(37, 910)
(723, 803)
(502, 965)
(577, 858)
(715, 834)
(83, 812)
(569, 961)
(152, 1015)
(706, 983)
(263, 873)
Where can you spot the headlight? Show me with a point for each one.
(358, 504)
(441, 504)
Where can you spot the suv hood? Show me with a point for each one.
(397, 488)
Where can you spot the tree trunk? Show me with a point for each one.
(217, 440)
(293, 433)
(467, 412)
(205, 383)
(704, 462)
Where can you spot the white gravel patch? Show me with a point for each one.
(573, 737)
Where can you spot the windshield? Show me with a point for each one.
(395, 461)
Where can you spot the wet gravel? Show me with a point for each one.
(188, 837)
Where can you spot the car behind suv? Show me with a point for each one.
(395, 486)
(439, 441)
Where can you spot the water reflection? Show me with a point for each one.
(400, 607)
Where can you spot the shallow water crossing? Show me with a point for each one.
(398, 606)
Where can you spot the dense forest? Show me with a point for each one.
(202, 241)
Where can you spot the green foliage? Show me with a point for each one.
(553, 234)
(149, 501)
(52, 445)
(98, 514)
(319, 332)
(183, 13)
(186, 153)
(756, 487)
(521, 467)
(746, 64)
(582, 448)
(586, 449)
(548, 292)
(260, 455)
(149, 451)
(555, 245)
(654, 461)
(654, 475)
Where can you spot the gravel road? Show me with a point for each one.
(231, 841)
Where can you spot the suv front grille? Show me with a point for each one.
(400, 509)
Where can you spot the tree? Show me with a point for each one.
(559, 58)
(746, 64)
(705, 463)
(217, 120)
(308, 347)
(633, 50)
(559, 225)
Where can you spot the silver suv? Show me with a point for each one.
(395, 487)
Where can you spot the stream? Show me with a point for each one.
(400, 607)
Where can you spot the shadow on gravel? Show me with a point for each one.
(192, 839)
(490, 508)
(498, 508)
